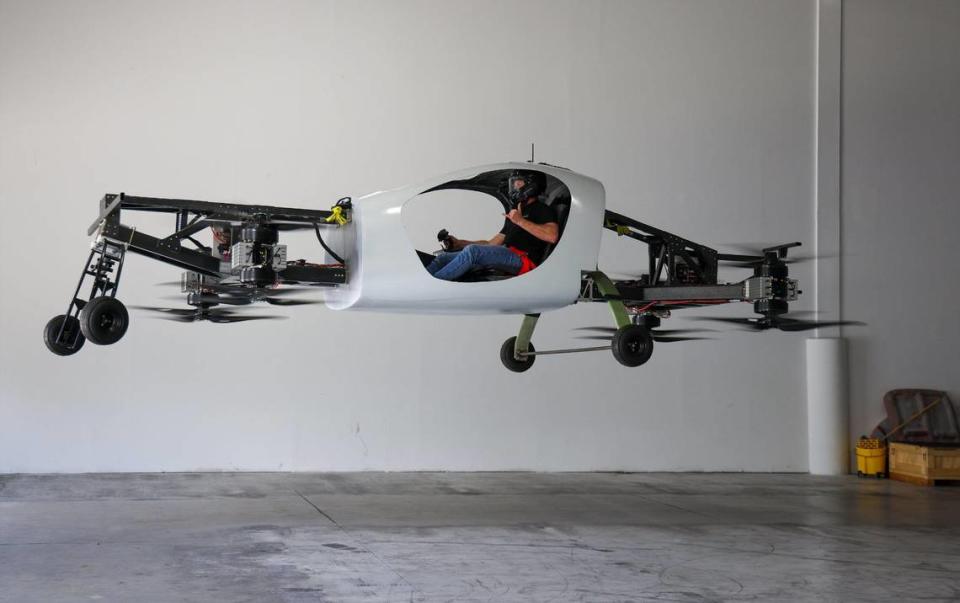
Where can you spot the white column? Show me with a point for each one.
(827, 409)
(827, 405)
(827, 165)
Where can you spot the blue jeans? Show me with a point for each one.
(451, 265)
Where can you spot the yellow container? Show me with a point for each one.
(871, 457)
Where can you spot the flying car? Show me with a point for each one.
(370, 263)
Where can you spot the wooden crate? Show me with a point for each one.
(923, 465)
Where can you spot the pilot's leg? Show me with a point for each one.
(499, 258)
(480, 256)
(442, 259)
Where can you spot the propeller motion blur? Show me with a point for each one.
(371, 264)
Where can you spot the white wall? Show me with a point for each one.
(901, 199)
(697, 116)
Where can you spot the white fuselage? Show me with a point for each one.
(385, 272)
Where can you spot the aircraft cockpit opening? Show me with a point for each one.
(497, 225)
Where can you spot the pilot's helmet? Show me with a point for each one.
(534, 185)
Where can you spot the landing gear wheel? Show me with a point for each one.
(104, 320)
(71, 330)
(510, 361)
(632, 345)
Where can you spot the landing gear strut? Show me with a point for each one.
(632, 343)
(518, 353)
(100, 317)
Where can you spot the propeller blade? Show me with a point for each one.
(291, 302)
(681, 331)
(610, 330)
(747, 324)
(595, 337)
(656, 337)
(228, 300)
(276, 298)
(179, 318)
(288, 290)
(784, 323)
(654, 332)
(212, 298)
(790, 324)
(746, 248)
(170, 311)
(175, 314)
(757, 248)
(672, 335)
(228, 318)
(728, 319)
(211, 315)
(752, 255)
(662, 339)
(793, 260)
(228, 289)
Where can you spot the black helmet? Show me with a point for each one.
(534, 185)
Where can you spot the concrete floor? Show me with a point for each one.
(475, 537)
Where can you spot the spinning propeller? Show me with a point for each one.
(755, 254)
(784, 323)
(215, 294)
(659, 335)
(240, 295)
(217, 315)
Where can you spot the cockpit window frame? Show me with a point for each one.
(494, 183)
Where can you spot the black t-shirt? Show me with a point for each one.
(514, 236)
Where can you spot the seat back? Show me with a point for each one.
(561, 208)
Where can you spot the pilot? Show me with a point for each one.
(527, 230)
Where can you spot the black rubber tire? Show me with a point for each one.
(104, 320)
(510, 361)
(71, 330)
(632, 345)
(259, 234)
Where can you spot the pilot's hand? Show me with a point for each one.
(515, 216)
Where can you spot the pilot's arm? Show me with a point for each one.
(458, 244)
(549, 231)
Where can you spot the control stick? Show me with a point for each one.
(445, 240)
